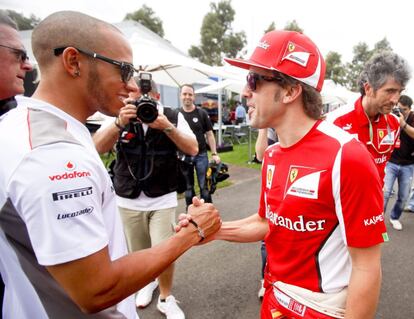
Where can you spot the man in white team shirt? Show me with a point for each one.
(322, 233)
(57, 203)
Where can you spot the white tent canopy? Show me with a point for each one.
(154, 54)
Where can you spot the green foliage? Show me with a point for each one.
(347, 74)
(293, 26)
(22, 22)
(217, 37)
(271, 27)
(240, 156)
(146, 16)
(334, 68)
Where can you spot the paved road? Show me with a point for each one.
(220, 280)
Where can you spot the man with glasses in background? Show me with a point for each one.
(369, 119)
(14, 63)
(57, 203)
(323, 236)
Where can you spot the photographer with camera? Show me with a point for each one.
(145, 177)
(400, 167)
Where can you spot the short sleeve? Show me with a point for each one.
(358, 197)
(57, 191)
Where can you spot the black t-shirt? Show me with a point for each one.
(199, 123)
(404, 155)
(7, 104)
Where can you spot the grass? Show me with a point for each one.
(240, 156)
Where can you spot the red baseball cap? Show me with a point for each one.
(288, 52)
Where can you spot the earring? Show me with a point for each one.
(77, 73)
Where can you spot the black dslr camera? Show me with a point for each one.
(146, 107)
(396, 111)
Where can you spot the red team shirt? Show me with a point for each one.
(319, 196)
(385, 131)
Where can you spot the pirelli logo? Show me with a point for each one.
(73, 193)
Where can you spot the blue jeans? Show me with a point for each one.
(404, 176)
(200, 164)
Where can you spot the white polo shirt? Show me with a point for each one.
(57, 204)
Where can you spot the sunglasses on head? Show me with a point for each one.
(127, 69)
(21, 54)
(253, 78)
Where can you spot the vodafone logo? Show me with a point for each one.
(70, 166)
(74, 174)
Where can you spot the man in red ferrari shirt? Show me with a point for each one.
(369, 119)
(321, 205)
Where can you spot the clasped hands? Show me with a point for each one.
(204, 217)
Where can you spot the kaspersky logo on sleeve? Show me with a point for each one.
(70, 173)
(303, 182)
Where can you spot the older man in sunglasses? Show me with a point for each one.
(323, 234)
(58, 212)
(14, 63)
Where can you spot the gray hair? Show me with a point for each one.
(382, 66)
(6, 20)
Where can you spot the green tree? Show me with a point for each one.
(271, 27)
(334, 68)
(146, 16)
(217, 36)
(353, 69)
(361, 55)
(22, 22)
(293, 26)
(382, 45)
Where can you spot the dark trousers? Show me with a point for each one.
(199, 163)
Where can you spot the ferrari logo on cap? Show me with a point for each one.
(381, 134)
(296, 54)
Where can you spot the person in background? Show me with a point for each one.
(400, 167)
(323, 235)
(240, 113)
(200, 124)
(57, 203)
(14, 63)
(381, 82)
(147, 199)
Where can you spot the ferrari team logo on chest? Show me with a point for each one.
(385, 137)
(293, 174)
(303, 182)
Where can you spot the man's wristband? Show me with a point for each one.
(200, 231)
(213, 154)
(118, 125)
(168, 130)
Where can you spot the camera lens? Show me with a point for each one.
(147, 110)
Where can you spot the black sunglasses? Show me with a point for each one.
(21, 54)
(253, 78)
(127, 69)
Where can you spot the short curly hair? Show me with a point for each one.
(382, 66)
